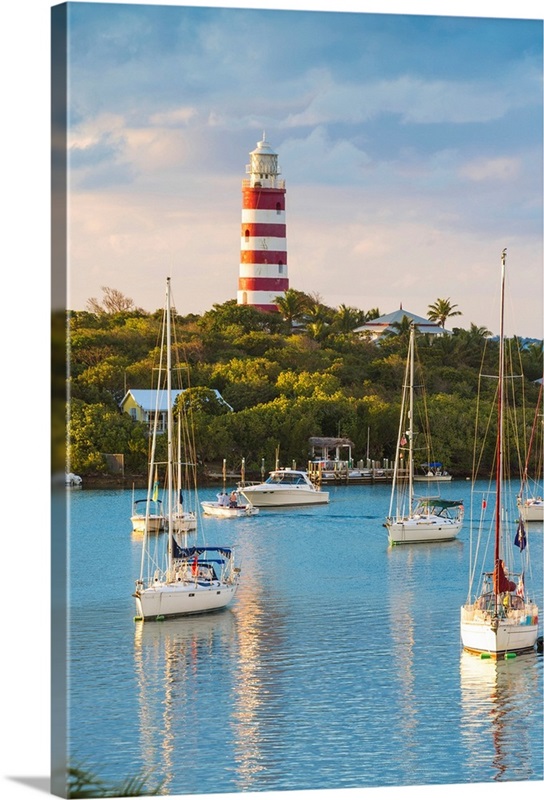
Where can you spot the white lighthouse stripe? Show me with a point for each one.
(263, 216)
(262, 271)
(264, 243)
(256, 298)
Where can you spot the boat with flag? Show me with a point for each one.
(500, 619)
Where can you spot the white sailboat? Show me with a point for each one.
(176, 580)
(416, 519)
(502, 619)
(530, 502)
(183, 518)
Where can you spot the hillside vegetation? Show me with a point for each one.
(288, 376)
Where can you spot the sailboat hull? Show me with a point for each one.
(182, 599)
(532, 510)
(411, 530)
(184, 522)
(497, 637)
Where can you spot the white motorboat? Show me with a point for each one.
(501, 619)
(147, 515)
(194, 579)
(414, 519)
(433, 472)
(284, 487)
(228, 506)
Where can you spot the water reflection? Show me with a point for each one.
(496, 698)
(401, 619)
(218, 667)
(172, 661)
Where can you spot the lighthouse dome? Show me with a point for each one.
(263, 148)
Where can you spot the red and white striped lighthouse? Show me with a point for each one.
(263, 257)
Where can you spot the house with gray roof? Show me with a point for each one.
(386, 324)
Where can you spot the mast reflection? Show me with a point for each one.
(496, 696)
(172, 663)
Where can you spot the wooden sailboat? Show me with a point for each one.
(501, 619)
(414, 519)
(176, 579)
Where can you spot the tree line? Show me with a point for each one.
(288, 376)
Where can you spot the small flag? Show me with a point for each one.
(403, 441)
(520, 588)
(484, 504)
(194, 568)
(155, 491)
(520, 538)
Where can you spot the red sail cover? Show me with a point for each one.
(500, 581)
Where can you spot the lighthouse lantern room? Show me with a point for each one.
(263, 256)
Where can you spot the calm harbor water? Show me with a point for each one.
(338, 665)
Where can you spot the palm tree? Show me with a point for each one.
(441, 310)
(291, 305)
(347, 318)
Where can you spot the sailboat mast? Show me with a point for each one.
(169, 417)
(500, 418)
(411, 421)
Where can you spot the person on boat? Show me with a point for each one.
(223, 499)
(233, 499)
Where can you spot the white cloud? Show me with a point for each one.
(494, 169)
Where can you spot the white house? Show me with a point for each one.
(385, 324)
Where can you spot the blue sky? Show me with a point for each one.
(411, 147)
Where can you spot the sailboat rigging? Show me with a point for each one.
(530, 503)
(416, 519)
(502, 619)
(177, 579)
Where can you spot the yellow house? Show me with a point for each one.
(142, 404)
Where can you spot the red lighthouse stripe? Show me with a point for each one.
(264, 257)
(263, 284)
(264, 198)
(260, 229)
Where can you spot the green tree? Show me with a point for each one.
(441, 310)
(291, 305)
(95, 429)
(201, 399)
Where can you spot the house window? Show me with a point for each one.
(280, 268)
(244, 298)
(133, 413)
(278, 208)
(247, 235)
